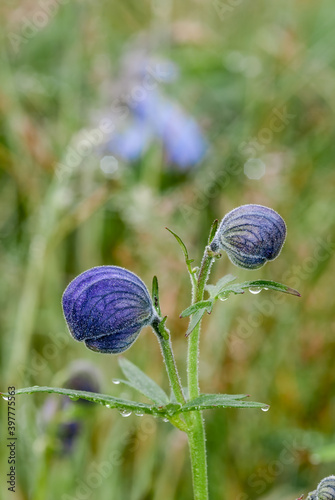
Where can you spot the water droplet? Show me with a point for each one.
(5, 398)
(125, 413)
(265, 289)
(265, 408)
(165, 419)
(115, 381)
(255, 290)
(138, 414)
(74, 398)
(108, 406)
(35, 386)
(223, 298)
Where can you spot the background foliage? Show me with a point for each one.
(259, 77)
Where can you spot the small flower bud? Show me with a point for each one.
(251, 235)
(107, 307)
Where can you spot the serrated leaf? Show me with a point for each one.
(212, 231)
(202, 304)
(104, 399)
(212, 401)
(196, 318)
(142, 383)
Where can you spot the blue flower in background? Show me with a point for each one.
(63, 417)
(251, 235)
(158, 118)
(107, 307)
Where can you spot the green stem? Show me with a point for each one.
(196, 433)
(165, 342)
(197, 446)
(193, 343)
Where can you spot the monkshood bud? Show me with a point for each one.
(251, 235)
(107, 307)
(325, 490)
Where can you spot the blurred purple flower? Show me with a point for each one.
(158, 118)
(83, 377)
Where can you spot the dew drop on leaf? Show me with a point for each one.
(125, 413)
(138, 414)
(115, 381)
(255, 290)
(5, 398)
(265, 408)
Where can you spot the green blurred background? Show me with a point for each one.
(259, 77)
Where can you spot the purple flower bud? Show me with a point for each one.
(251, 235)
(107, 307)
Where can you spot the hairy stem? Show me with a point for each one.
(165, 342)
(193, 343)
(196, 433)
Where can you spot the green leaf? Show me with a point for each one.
(261, 285)
(212, 401)
(212, 231)
(142, 383)
(202, 304)
(104, 399)
(192, 272)
(196, 318)
(215, 290)
(181, 243)
(155, 295)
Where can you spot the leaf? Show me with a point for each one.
(212, 231)
(142, 383)
(104, 399)
(212, 401)
(181, 243)
(192, 272)
(224, 287)
(202, 304)
(214, 290)
(196, 318)
(155, 295)
(262, 285)
(203, 402)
